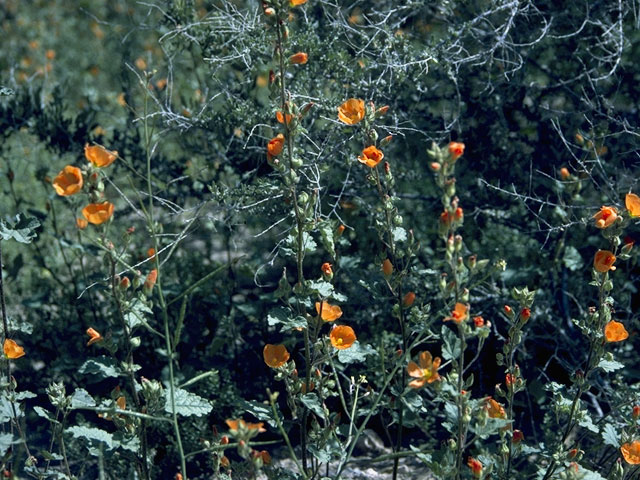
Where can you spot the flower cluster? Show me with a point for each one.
(70, 181)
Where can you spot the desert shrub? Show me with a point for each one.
(235, 232)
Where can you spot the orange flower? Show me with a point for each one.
(280, 117)
(371, 156)
(631, 452)
(604, 260)
(456, 149)
(605, 217)
(68, 181)
(427, 372)
(299, 58)
(351, 111)
(97, 213)
(151, 252)
(329, 313)
(342, 337)
(564, 173)
(236, 425)
(50, 54)
(99, 156)
(459, 314)
(275, 145)
(475, 466)
(81, 223)
(12, 349)
(295, 3)
(478, 321)
(494, 409)
(326, 268)
(387, 267)
(615, 332)
(632, 202)
(275, 355)
(94, 336)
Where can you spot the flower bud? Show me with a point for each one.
(458, 215)
(382, 110)
(340, 230)
(564, 173)
(327, 271)
(408, 299)
(386, 140)
(435, 166)
(517, 437)
(635, 412)
(525, 314)
(508, 311)
(478, 321)
(125, 283)
(387, 268)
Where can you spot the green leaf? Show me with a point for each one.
(587, 422)
(22, 228)
(356, 353)
(610, 365)
(6, 440)
(100, 368)
(283, 316)
(326, 236)
(610, 436)
(312, 402)
(137, 315)
(93, 435)
(321, 288)
(41, 412)
(187, 403)
(261, 411)
(451, 347)
(6, 92)
(572, 259)
(81, 398)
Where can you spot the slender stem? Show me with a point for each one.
(163, 304)
(292, 452)
(5, 327)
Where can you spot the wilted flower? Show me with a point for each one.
(328, 312)
(371, 156)
(606, 217)
(604, 260)
(68, 181)
(94, 336)
(275, 355)
(426, 372)
(342, 337)
(97, 213)
(12, 349)
(615, 332)
(459, 314)
(99, 156)
(351, 111)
